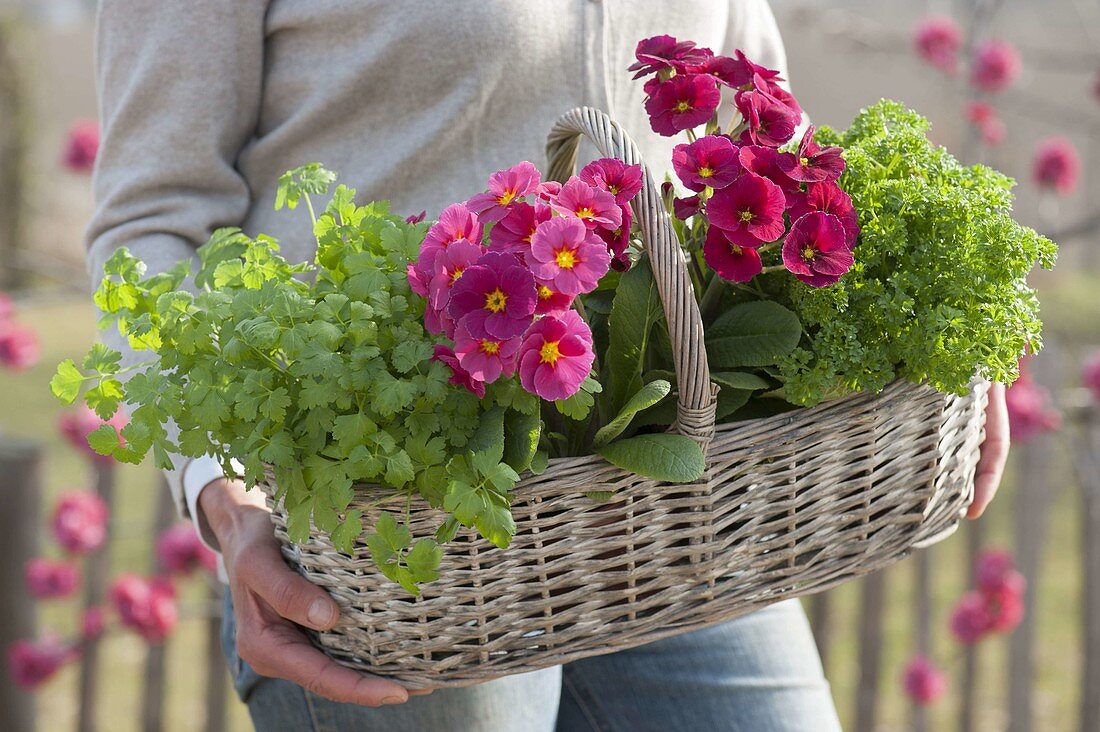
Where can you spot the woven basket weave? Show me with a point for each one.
(790, 505)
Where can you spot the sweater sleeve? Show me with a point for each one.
(179, 86)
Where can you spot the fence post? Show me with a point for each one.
(870, 650)
(922, 590)
(152, 698)
(1033, 501)
(821, 620)
(215, 663)
(969, 696)
(97, 569)
(13, 110)
(1087, 462)
(20, 491)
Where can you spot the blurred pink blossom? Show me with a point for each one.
(180, 550)
(1030, 411)
(81, 147)
(990, 126)
(923, 681)
(146, 606)
(937, 40)
(970, 619)
(92, 623)
(991, 568)
(48, 579)
(996, 66)
(1056, 165)
(19, 347)
(32, 663)
(1090, 375)
(80, 522)
(1005, 602)
(77, 423)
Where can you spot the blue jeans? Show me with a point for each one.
(759, 673)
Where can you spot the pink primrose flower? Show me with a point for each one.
(556, 356)
(505, 188)
(970, 620)
(76, 424)
(764, 161)
(749, 210)
(180, 550)
(568, 257)
(81, 146)
(1090, 375)
(828, 197)
(146, 606)
(812, 163)
(513, 233)
(771, 121)
(485, 359)
(447, 269)
(711, 161)
(731, 261)
(19, 347)
(659, 53)
(614, 176)
(459, 375)
(682, 103)
(1030, 411)
(593, 206)
(33, 663)
(816, 250)
(495, 298)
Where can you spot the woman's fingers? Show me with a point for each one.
(260, 567)
(994, 452)
(281, 650)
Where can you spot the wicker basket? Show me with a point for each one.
(790, 505)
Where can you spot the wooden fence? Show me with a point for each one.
(21, 491)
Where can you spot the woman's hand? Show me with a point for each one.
(991, 464)
(269, 598)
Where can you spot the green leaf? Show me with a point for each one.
(634, 311)
(489, 437)
(521, 438)
(644, 398)
(104, 439)
(539, 462)
(496, 524)
(739, 380)
(752, 334)
(665, 457)
(423, 560)
(65, 384)
(347, 531)
(578, 406)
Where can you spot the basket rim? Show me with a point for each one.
(898, 388)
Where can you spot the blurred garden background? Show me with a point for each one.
(1035, 114)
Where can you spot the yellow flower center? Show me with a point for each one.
(612, 189)
(803, 161)
(489, 347)
(735, 249)
(746, 215)
(545, 293)
(495, 301)
(683, 106)
(456, 274)
(585, 213)
(705, 172)
(808, 254)
(549, 353)
(505, 198)
(566, 258)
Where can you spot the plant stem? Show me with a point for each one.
(309, 205)
(711, 297)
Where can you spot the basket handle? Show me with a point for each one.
(697, 395)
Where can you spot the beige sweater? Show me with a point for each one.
(204, 103)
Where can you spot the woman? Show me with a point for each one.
(205, 103)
